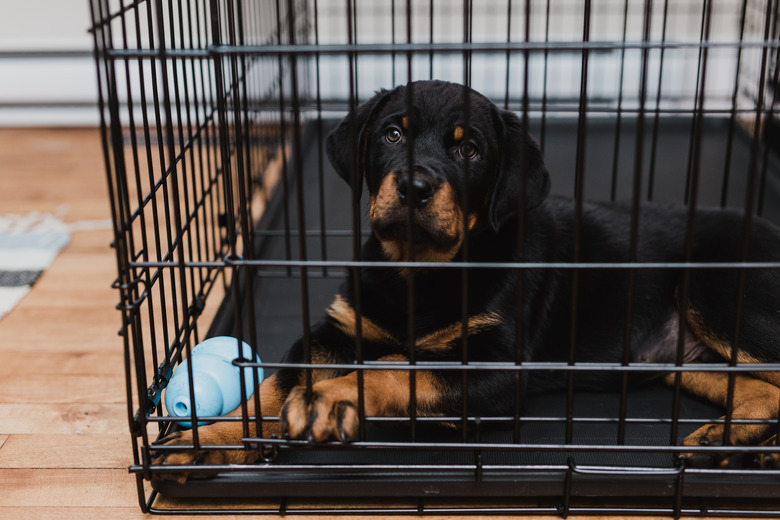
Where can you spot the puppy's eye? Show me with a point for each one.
(468, 150)
(393, 135)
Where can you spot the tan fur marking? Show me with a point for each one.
(386, 391)
(472, 221)
(447, 212)
(321, 357)
(385, 199)
(397, 251)
(724, 348)
(449, 218)
(332, 410)
(271, 401)
(405, 122)
(394, 385)
(226, 433)
(443, 210)
(458, 134)
(753, 399)
(346, 322)
(271, 397)
(438, 340)
(442, 339)
(394, 251)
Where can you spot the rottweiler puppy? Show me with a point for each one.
(452, 177)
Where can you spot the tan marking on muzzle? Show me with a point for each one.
(385, 199)
(447, 210)
(443, 211)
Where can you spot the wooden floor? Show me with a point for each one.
(64, 442)
(64, 439)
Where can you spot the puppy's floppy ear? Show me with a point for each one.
(346, 144)
(522, 173)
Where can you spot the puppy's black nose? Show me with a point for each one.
(415, 193)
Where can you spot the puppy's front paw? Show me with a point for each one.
(320, 416)
(713, 435)
(191, 457)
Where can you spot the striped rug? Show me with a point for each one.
(28, 244)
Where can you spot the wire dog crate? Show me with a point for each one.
(228, 220)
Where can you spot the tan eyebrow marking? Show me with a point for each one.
(405, 122)
(458, 134)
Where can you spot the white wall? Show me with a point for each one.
(557, 74)
(51, 91)
(46, 91)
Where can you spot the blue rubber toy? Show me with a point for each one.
(216, 379)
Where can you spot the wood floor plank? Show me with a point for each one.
(102, 490)
(75, 282)
(31, 388)
(107, 513)
(71, 512)
(55, 328)
(60, 363)
(47, 451)
(67, 166)
(116, 513)
(66, 419)
(64, 487)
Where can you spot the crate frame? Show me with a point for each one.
(216, 142)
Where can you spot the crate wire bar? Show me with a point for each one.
(229, 221)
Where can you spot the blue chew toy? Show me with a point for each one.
(216, 380)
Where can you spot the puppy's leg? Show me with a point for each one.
(331, 410)
(736, 314)
(272, 397)
(753, 399)
(756, 395)
(328, 345)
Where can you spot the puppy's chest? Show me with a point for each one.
(434, 336)
(433, 319)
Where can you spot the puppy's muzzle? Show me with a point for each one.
(422, 207)
(416, 191)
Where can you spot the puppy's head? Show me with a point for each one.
(440, 160)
